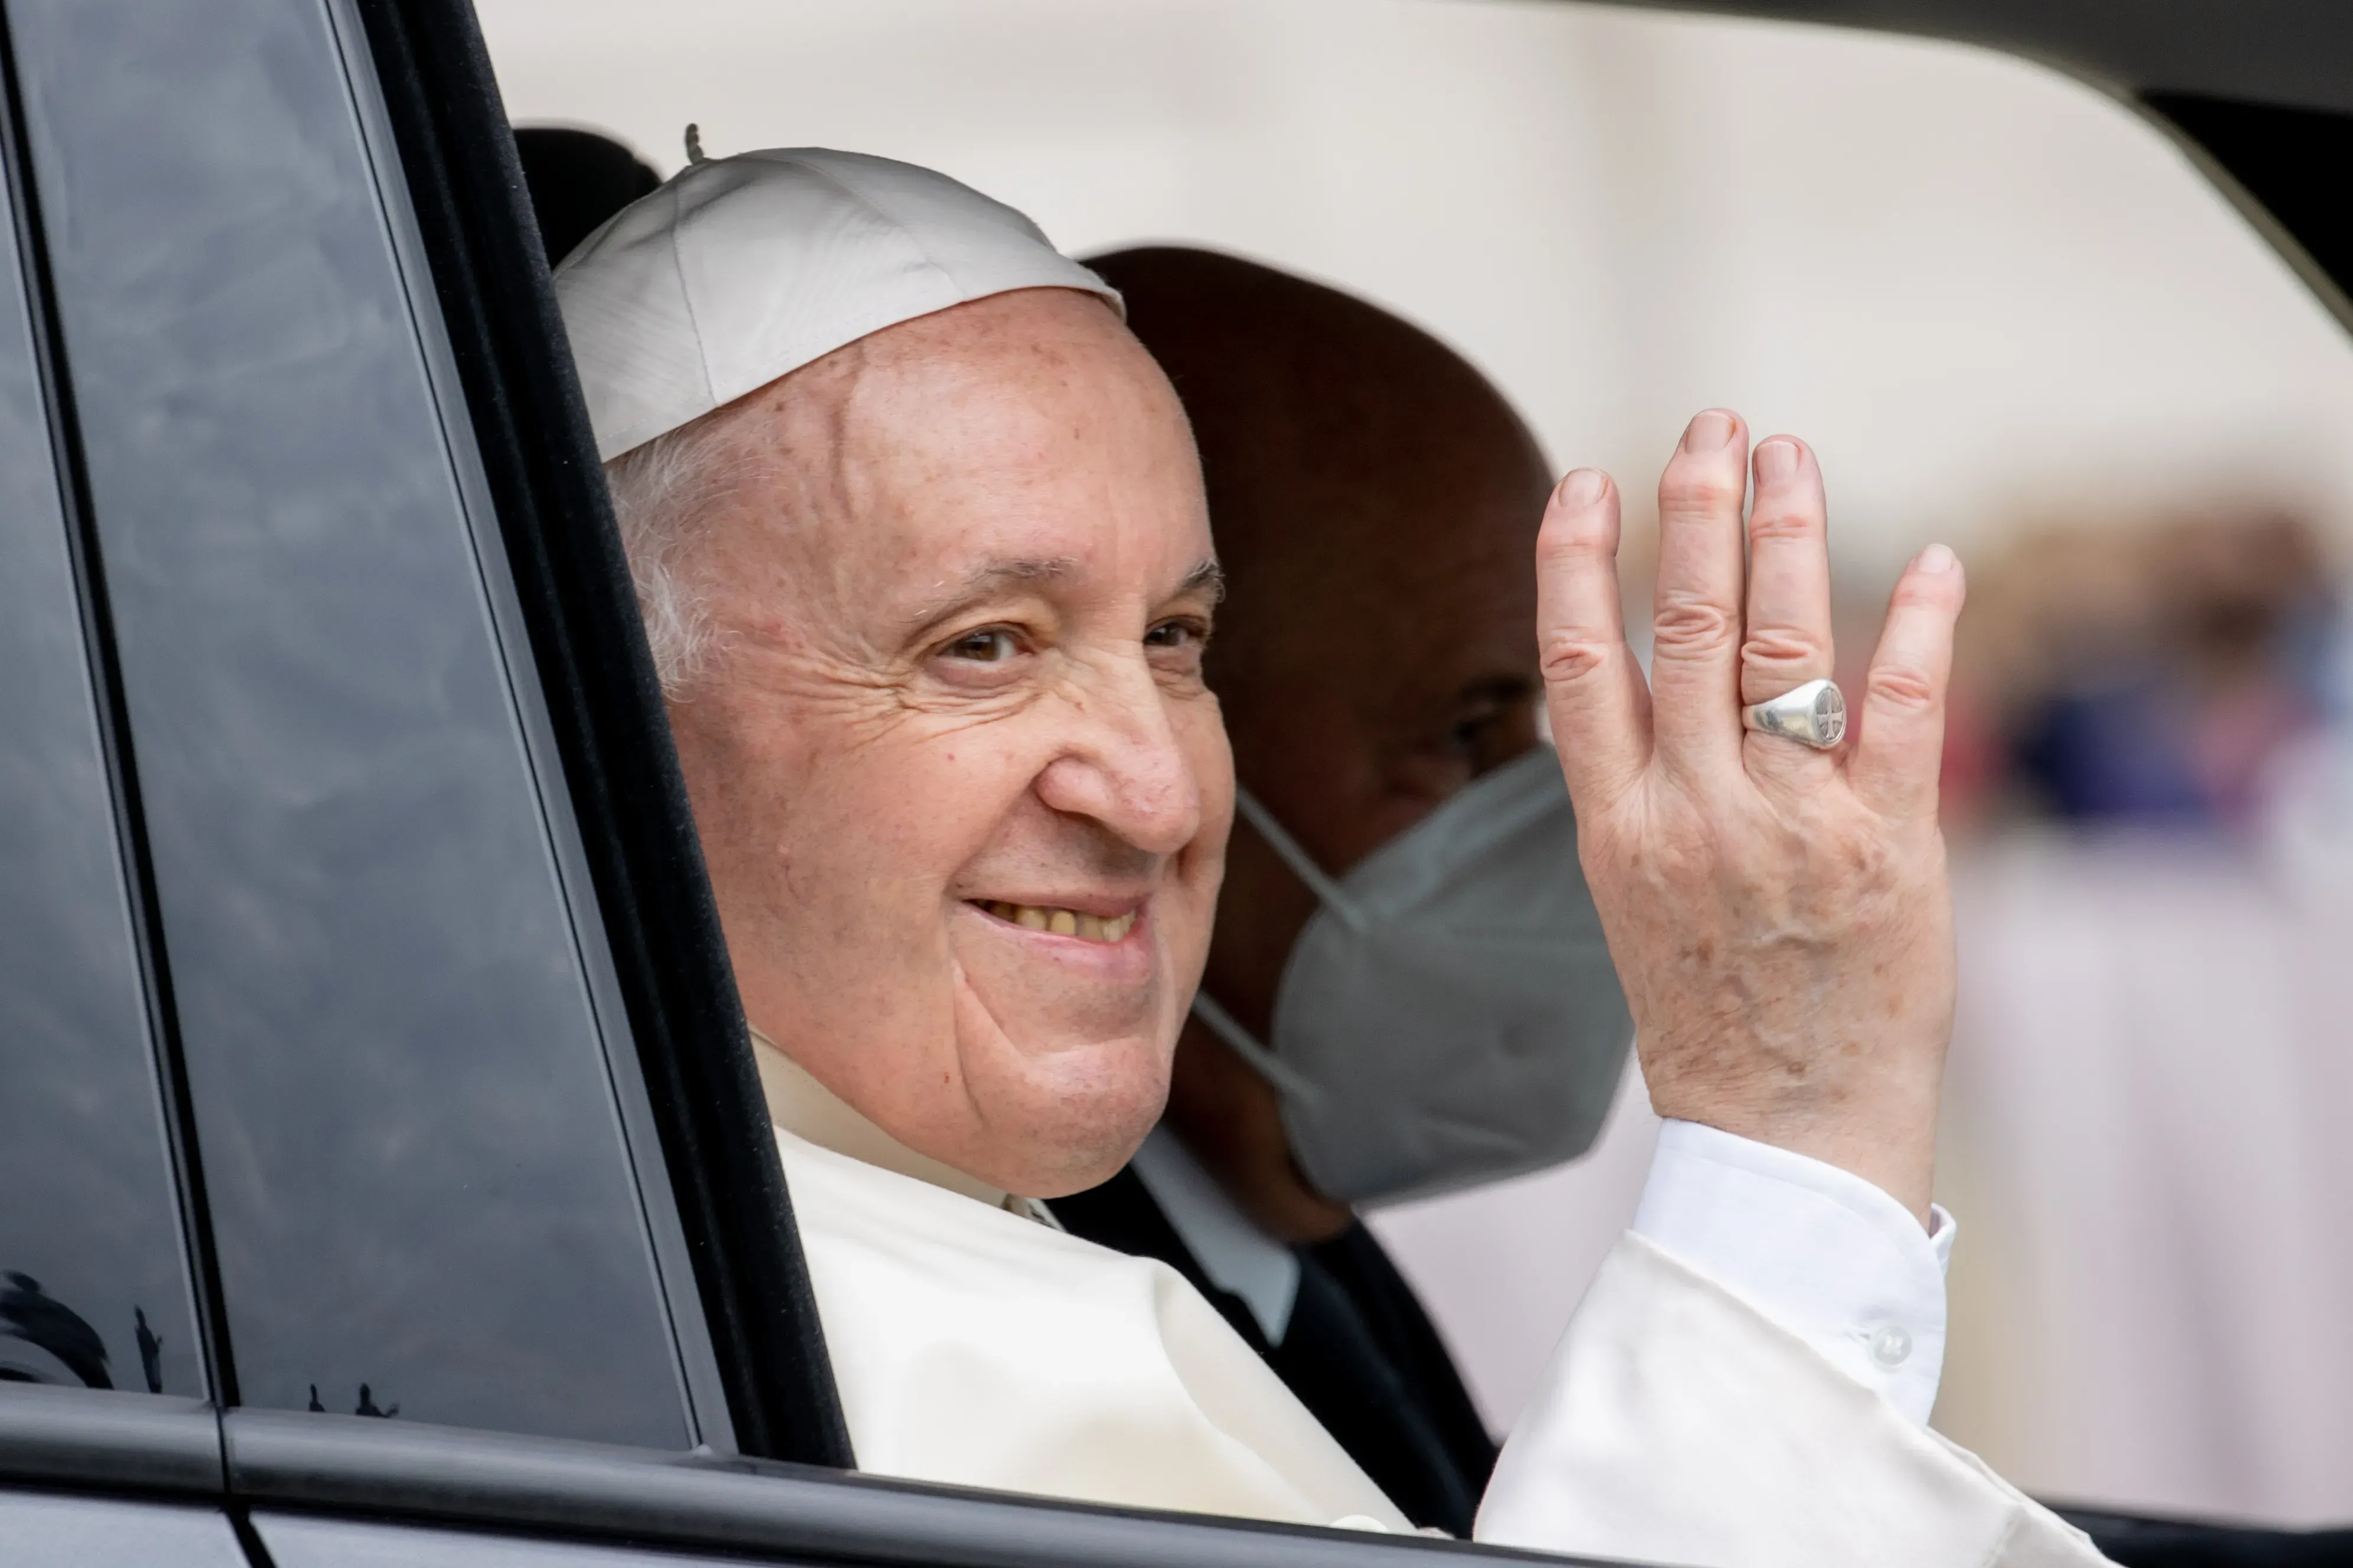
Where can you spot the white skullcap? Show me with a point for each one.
(742, 270)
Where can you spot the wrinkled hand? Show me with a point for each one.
(1780, 916)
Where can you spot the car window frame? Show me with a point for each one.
(239, 538)
(444, 131)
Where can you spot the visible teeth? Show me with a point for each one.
(1063, 922)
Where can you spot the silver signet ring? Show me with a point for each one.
(1812, 715)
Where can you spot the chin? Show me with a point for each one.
(1082, 1111)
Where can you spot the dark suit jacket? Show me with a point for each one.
(1359, 1352)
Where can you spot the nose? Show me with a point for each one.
(1126, 765)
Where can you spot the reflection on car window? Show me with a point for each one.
(420, 1191)
(93, 1282)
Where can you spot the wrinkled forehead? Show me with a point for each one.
(1027, 438)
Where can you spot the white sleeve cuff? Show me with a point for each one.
(1818, 1250)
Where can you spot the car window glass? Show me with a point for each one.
(2012, 316)
(93, 1277)
(419, 1184)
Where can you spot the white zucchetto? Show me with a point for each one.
(742, 270)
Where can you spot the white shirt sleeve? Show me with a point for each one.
(1747, 1383)
(1817, 1250)
(1678, 1424)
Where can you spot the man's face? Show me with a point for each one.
(1377, 502)
(962, 590)
(1367, 696)
(1376, 661)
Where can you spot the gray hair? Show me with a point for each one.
(661, 492)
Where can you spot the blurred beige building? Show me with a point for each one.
(1981, 289)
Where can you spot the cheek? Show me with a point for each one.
(743, 773)
(896, 817)
(856, 940)
(1208, 758)
(1201, 868)
(1201, 727)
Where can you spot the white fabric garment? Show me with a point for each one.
(742, 270)
(1679, 1424)
(1818, 1250)
(974, 1345)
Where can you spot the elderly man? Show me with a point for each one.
(922, 540)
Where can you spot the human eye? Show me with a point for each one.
(1471, 732)
(1491, 728)
(1183, 634)
(1172, 647)
(985, 644)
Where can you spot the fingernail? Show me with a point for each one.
(1583, 487)
(1776, 459)
(1935, 558)
(1708, 432)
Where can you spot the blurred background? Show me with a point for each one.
(2012, 316)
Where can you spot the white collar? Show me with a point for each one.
(802, 1106)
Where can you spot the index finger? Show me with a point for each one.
(1594, 692)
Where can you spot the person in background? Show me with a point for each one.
(2151, 674)
(577, 179)
(1375, 501)
(2144, 1119)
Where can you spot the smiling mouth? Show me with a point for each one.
(1061, 922)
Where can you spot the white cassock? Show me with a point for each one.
(976, 1343)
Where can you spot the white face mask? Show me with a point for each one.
(1451, 1015)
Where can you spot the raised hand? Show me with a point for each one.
(1780, 915)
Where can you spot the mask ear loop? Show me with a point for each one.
(1263, 1061)
(1224, 1024)
(1327, 892)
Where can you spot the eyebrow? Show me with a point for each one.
(995, 577)
(989, 577)
(1205, 576)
